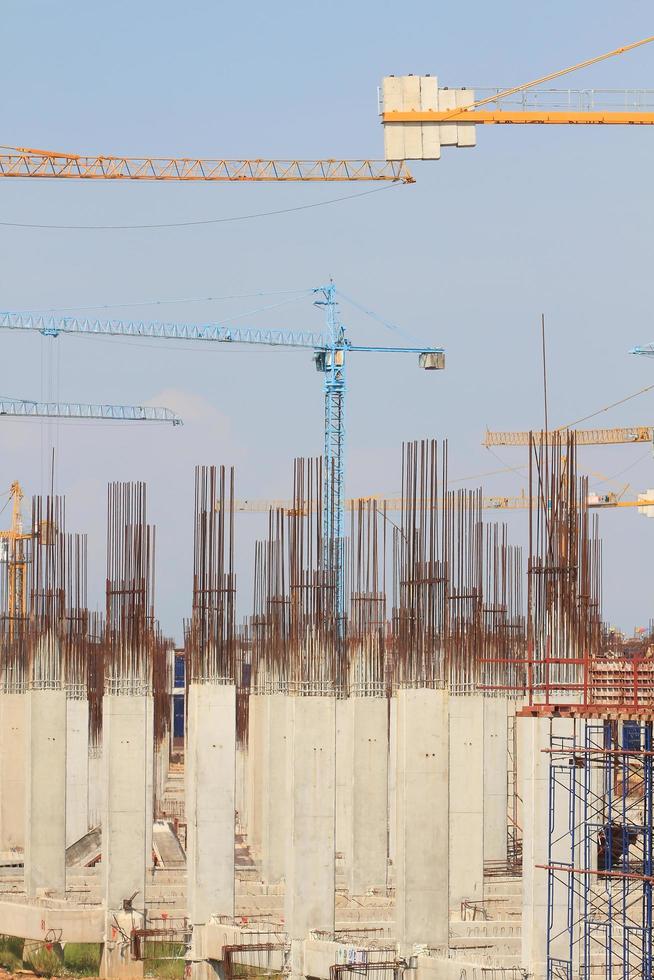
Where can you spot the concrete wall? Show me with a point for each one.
(45, 817)
(13, 753)
(422, 860)
(127, 733)
(309, 900)
(210, 800)
(77, 769)
(466, 799)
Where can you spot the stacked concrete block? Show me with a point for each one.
(423, 140)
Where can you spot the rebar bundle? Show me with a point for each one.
(366, 580)
(211, 634)
(95, 657)
(316, 633)
(129, 632)
(463, 559)
(420, 573)
(269, 626)
(76, 627)
(564, 573)
(46, 628)
(503, 629)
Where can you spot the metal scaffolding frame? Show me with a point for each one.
(599, 867)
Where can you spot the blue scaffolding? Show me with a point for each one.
(599, 865)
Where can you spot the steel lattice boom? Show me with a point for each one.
(77, 410)
(584, 437)
(26, 162)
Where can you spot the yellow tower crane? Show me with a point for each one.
(12, 543)
(418, 118)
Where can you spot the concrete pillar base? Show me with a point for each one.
(117, 962)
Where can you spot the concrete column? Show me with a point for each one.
(275, 782)
(127, 733)
(369, 791)
(310, 849)
(534, 736)
(13, 753)
(210, 773)
(161, 766)
(77, 769)
(255, 763)
(242, 791)
(96, 786)
(344, 782)
(392, 785)
(149, 785)
(422, 858)
(466, 799)
(45, 817)
(496, 756)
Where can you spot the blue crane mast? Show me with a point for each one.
(331, 349)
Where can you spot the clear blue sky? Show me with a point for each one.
(531, 220)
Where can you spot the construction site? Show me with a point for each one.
(406, 744)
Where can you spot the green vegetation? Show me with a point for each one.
(46, 959)
(82, 959)
(11, 953)
(164, 960)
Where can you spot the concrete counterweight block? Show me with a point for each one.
(210, 800)
(422, 858)
(309, 902)
(13, 753)
(45, 823)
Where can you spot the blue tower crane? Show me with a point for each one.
(331, 348)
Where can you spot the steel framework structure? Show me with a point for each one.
(599, 868)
